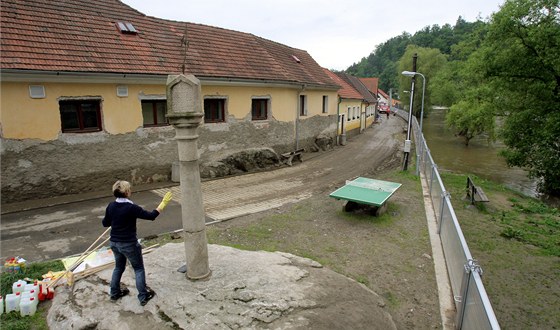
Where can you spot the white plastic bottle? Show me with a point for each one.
(12, 302)
(27, 306)
(18, 286)
(34, 293)
(31, 286)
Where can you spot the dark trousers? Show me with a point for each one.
(131, 251)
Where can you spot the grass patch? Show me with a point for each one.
(391, 299)
(516, 240)
(363, 280)
(14, 320)
(520, 218)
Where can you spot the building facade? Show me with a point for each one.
(83, 95)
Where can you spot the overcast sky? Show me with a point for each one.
(335, 33)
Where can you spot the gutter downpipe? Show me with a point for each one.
(338, 121)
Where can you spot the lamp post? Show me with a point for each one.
(412, 74)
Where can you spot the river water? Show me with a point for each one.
(479, 158)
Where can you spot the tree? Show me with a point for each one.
(525, 62)
(430, 62)
(516, 73)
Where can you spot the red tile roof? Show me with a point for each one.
(346, 91)
(371, 84)
(82, 36)
(382, 92)
(359, 86)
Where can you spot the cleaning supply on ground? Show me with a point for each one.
(27, 306)
(31, 286)
(18, 286)
(14, 265)
(12, 302)
(34, 294)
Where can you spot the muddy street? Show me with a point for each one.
(67, 229)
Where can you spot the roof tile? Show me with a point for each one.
(346, 91)
(81, 36)
(359, 86)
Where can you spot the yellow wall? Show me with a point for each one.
(283, 101)
(353, 123)
(25, 118)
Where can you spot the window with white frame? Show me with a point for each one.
(349, 113)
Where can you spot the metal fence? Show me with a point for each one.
(473, 307)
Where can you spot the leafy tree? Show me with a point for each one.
(382, 62)
(430, 62)
(525, 62)
(516, 73)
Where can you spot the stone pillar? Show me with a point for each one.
(184, 113)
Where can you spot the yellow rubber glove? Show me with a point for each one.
(165, 200)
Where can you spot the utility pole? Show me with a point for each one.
(407, 143)
(390, 100)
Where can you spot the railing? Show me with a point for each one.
(473, 307)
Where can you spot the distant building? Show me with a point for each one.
(368, 105)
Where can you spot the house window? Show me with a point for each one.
(325, 103)
(78, 116)
(153, 112)
(214, 110)
(349, 113)
(303, 105)
(259, 109)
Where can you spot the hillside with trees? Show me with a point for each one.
(505, 69)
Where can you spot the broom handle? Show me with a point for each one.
(87, 250)
(82, 257)
(92, 244)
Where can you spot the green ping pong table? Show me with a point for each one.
(366, 191)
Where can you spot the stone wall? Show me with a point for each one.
(77, 163)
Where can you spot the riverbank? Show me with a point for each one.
(516, 240)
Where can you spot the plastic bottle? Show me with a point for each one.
(27, 306)
(31, 286)
(12, 302)
(18, 286)
(34, 294)
(1, 305)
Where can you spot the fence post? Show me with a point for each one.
(470, 267)
(444, 195)
(432, 178)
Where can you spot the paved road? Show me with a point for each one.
(68, 229)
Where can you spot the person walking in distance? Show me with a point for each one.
(121, 216)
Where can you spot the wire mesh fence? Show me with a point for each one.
(473, 307)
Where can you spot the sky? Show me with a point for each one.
(336, 34)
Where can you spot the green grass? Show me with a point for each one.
(13, 320)
(516, 240)
(522, 218)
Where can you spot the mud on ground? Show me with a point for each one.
(391, 254)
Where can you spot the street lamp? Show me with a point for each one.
(412, 74)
